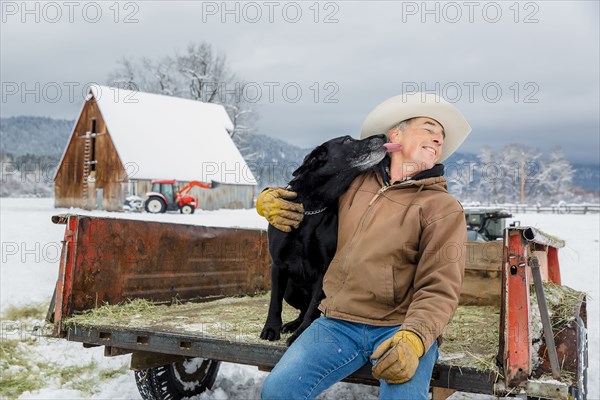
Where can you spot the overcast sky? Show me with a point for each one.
(524, 72)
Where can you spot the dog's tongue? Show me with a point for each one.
(392, 147)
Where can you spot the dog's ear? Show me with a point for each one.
(315, 158)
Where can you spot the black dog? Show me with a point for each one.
(301, 257)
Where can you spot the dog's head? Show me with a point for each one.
(337, 162)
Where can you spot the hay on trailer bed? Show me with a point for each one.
(562, 304)
(230, 318)
(470, 340)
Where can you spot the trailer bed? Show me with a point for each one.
(228, 329)
(241, 319)
(164, 291)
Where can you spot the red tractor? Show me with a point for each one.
(165, 196)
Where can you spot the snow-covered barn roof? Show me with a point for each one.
(164, 137)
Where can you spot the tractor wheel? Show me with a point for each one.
(187, 209)
(155, 205)
(177, 380)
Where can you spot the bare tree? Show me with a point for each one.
(489, 171)
(126, 76)
(205, 73)
(198, 74)
(545, 181)
(242, 112)
(460, 178)
(162, 76)
(556, 177)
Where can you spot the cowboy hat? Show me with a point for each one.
(410, 105)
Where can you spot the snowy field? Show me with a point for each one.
(30, 251)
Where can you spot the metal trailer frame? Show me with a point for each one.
(96, 250)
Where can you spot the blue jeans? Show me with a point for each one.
(330, 350)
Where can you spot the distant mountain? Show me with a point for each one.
(271, 160)
(40, 136)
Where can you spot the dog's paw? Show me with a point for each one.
(270, 333)
(297, 332)
(292, 338)
(291, 326)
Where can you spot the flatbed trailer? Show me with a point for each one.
(181, 298)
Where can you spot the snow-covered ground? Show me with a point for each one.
(30, 251)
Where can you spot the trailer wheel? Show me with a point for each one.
(144, 384)
(155, 205)
(177, 380)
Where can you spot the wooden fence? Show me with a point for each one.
(560, 208)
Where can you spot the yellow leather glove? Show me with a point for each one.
(398, 357)
(284, 215)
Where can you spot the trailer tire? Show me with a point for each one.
(177, 380)
(144, 384)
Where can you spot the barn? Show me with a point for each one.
(122, 140)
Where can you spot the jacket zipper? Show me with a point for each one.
(359, 229)
(379, 193)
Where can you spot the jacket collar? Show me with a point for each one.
(384, 168)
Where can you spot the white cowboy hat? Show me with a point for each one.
(409, 105)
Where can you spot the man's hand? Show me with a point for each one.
(398, 357)
(284, 215)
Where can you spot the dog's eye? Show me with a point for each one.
(322, 155)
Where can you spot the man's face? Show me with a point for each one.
(421, 143)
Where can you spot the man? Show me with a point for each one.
(395, 280)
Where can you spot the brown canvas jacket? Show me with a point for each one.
(400, 256)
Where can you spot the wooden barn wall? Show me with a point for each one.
(140, 187)
(110, 175)
(223, 196)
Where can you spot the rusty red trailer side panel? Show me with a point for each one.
(514, 324)
(553, 265)
(113, 260)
